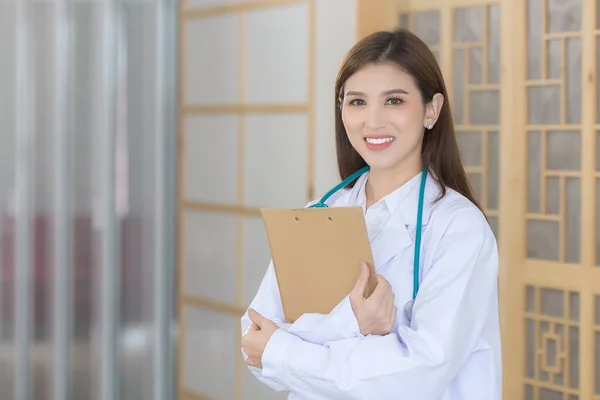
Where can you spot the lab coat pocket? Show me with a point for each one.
(339, 324)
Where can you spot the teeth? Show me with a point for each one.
(379, 141)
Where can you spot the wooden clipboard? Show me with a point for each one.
(316, 254)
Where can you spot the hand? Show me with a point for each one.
(256, 338)
(376, 315)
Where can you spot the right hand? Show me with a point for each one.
(377, 313)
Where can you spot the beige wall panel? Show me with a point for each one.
(256, 257)
(209, 358)
(336, 29)
(275, 159)
(277, 55)
(210, 256)
(217, 59)
(199, 4)
(211, 144)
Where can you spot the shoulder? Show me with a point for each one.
(456, 215)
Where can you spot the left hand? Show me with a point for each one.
(256, 338)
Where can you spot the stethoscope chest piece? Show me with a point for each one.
(408, 310)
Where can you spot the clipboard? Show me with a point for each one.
(316, 255)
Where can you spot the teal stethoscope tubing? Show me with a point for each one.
(321, 204)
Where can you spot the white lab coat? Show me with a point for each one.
(451, 348)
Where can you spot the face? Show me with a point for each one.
(385, 118)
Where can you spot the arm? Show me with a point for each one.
(314, 328)
(416, 362)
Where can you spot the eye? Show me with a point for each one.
(357, 102)
(395, 101)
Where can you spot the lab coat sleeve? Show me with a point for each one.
(313, 328)
(416, 362)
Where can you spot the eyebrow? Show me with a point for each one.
(387, 92)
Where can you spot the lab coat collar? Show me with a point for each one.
(398, 232)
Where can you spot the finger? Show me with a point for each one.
(253, 327)
(256, 318)
(383, 287)
(361, 283)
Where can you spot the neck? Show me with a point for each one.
(382, 182)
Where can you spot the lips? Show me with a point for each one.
(379, 142)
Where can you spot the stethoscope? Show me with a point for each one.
(321, 204)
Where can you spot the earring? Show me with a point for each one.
(430, 126)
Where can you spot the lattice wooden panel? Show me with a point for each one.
(554, 131)
(552, 344)
(474, 85)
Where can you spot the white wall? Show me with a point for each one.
(226, 253)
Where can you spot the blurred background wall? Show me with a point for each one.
(87, 199)
(257, 107)
(137, 150)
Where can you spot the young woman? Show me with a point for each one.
(430, 330)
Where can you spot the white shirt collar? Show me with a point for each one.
(392, 200)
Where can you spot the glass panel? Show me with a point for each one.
(564, 15)
(597, 362)
(598, 80)
(217, 59)
(209, 140)
(213, 335)
(459, 86)
(530, 348)
(534, 39)
(597, 221)
(494, 43)
(573, 219)
(135, 195)
(547, 394)
(564, 150)
(475, 65)
(573, 355)
(554, 58)
(597, 150)
(542, 240)
(574, 306)
(493, 170)
(529, 392)
(494, 226)
(485, 107)
(279, 179)
(427, 27)
(475, 182)
(543, 103)
(404, 21)
(468, 24)
(530, 294)
(573, 81)
(286, 79)
(534, 177)
(552, 195)
(210, 259)
(553, 302)
(469, 144)
(256, 257)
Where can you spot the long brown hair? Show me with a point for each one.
(439, 151)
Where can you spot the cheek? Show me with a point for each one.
(352, 122)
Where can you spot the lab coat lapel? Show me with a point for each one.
(399, 232)
(391, 240)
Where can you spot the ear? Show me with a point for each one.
(433, 109)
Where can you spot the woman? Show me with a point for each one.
(392, 116)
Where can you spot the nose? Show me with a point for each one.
(375, 118)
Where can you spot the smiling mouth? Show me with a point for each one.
(383, 140)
